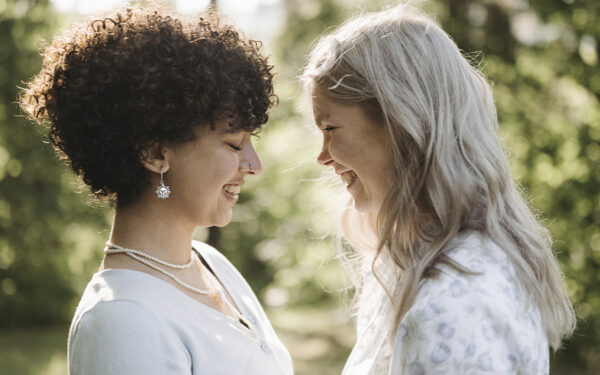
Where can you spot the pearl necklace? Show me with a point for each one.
(216, 294)
(112, 248)
(146, 259)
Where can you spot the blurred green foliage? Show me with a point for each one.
(540, 55)
(45, 229)
(34, 351)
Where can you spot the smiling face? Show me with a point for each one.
(356, 147)
(206, 174)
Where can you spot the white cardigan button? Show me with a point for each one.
(265, 347)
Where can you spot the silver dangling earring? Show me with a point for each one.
(162, 191)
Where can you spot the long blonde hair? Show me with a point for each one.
(449, 170)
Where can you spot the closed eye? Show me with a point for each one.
(236, 148)
(329, 128)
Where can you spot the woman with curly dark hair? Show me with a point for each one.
(157, 114)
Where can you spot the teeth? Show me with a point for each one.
(232, 189)
(348, 177)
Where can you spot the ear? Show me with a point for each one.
(154, 158)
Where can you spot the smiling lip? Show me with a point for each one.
(349, 177)
(231, 191)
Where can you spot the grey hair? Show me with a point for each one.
(449, 170)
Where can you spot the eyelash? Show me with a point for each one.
(236, 148)
(329, 128)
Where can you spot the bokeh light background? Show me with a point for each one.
(541, 55)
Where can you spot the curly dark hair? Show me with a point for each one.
(111, 86)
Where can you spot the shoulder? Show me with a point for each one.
(492, 281)
(123, 336)
(125, 289)
(120, 322)
(470, 323)
(106, 318)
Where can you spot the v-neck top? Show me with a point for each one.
(130, 322)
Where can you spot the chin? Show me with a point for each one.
(222, 221)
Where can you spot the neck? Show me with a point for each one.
(148, 225)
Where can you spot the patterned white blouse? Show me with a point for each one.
(459, 324)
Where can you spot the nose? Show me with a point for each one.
(324, 157)
(250, 162)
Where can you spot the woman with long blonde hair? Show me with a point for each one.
(459, 276)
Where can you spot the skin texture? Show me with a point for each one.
(196, 172)
(353, 141)
(199, 170)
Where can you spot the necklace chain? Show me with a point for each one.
(155, 267)
(216, 294)
(112, 248)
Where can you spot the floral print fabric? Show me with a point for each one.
(463, 324)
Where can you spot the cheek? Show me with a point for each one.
(225, 166)
(341, 150)
(382, 177)
(211, 173)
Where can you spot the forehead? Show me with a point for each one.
(207, 133)
(326, 108)
(222, 125)
(232, 123)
